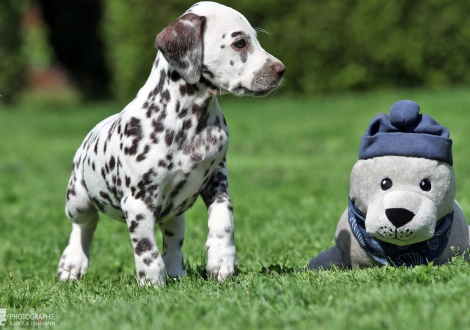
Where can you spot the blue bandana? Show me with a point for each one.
(394, 255)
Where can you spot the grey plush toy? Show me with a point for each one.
(402, 208)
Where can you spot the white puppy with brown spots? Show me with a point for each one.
(148, 164)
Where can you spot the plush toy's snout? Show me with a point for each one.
(401, 217)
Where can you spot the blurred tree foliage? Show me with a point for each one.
(326, 45)
(130, 29)
(74, 34)
(12, 63)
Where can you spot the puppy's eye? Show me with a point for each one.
(425, 185)
(386, 184)
(240, 43)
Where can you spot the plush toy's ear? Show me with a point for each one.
(181, 43)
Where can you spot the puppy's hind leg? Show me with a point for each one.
(173, 237)
(84, 216)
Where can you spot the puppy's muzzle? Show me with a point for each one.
(267, 78)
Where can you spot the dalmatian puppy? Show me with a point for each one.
(146, 165)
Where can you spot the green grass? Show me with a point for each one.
(289, 164)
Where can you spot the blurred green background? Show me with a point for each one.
(95, 49)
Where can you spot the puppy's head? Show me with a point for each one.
(216, 43)
(402, 197)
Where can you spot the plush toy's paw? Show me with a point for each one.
(73, 264)
(327, 259)
(221, 261)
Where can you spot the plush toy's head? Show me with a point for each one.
(403, 183)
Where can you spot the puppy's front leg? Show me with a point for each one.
(220, 246)
(149, 264)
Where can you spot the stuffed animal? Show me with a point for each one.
(402, 209)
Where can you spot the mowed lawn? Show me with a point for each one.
(289, 163)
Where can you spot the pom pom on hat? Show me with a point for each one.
(404, 113)
(408, 133)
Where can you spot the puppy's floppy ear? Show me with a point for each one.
(181, 43)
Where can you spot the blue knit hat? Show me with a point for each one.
(406, 133)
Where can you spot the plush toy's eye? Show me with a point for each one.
(425, 185)
(386, 184)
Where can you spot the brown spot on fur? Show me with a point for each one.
(143, 245)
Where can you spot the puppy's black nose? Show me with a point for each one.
(279, 68)
(399, 217)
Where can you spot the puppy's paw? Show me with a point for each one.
(221, 261)
(73, 264)
(151, 270)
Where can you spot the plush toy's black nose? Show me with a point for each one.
(399, 217)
